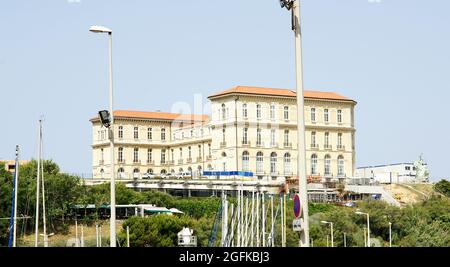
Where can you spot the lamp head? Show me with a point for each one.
(100, 29)
(105, 118)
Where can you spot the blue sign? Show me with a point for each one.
(229, 173)
(297, 207)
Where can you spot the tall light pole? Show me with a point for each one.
(332, 235)
(368, 226)
(294, 7)
(390, 234)
(101, 29)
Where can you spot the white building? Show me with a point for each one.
(386, 174)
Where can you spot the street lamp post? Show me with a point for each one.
(294, 7)
(368, 226)
(100, 29)
(390, 234)
(332, 235)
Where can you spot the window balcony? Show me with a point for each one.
(287, 145)
(180, 161)
(209, 157)
(223, 144)
(260, 144)
(199, 159)
(121, 161)
(150, 162)
(171, 162)
(314, 146)
(136, 161)
(189, 160)
(101, 162)
(328, 147)
(341, 147)
(246, 142)
(273, 144)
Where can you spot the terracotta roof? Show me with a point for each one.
(157, 116)
(280, 92)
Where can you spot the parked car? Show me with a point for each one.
(184, 175)
(148, 176)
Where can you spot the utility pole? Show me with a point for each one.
(38, 182)
(390, 234)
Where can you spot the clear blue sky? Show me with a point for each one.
(392, 57)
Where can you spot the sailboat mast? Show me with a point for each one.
(43, 188)
(38, 182)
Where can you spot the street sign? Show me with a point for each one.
(297, 207)
(297, 225)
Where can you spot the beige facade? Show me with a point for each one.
(250, 129)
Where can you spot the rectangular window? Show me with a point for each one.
(339, 116)
(286, 113)
(339, 140)
(272, 112)
(313, 114)
(136, 133)
(136, 155)
(244, 111)
(313, 139)
(190, 153)
(272, 137)
(327, 140)
(120, 132)
(163, 156)
(163, 134)
(286, 137)
(149, 134)
(258, 111)
(326, 115)
(149, 155)
(209, 149)
(245, 136)
(258, 136)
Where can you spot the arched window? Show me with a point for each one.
(150, 171)
(180, 170)
(224, 161)
(244, 111)
(314, 164)
(172, 171)
(259, 162)
(190, 170)
(121, 173)
(273, 163)
(136, 173)
(287, 163)
(340, 165)
(210, 168)
(163, 171)
(120, 157)
(245, 161)
(327, 170)
(199, 171)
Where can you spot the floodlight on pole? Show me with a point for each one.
(112, 237)
(368, 225)
(331, 229)
(294, 7)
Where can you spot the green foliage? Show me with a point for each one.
(443, 187)
(154, 231)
